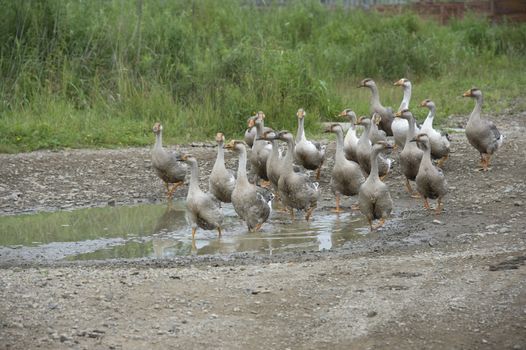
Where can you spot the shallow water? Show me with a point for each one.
(156, 230)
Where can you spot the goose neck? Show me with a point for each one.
(242, 166)
(477, 110)
(289, 156)
(426, 158)
(300, 134)
(339, 142)
(406, 98)
(194, 177)
(220, 159)
(374, 164)
(365, 134)
(411, 132)
(159, 140)
(259, 128)
(375, 96)
(428, 123)
(275, 151)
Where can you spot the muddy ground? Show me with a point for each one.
(456, 283)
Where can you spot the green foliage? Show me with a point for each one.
(99, 73)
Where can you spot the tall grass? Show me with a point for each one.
(99, 73)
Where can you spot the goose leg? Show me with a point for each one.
(194, 247)
(413, 194)
(308, 214)
(485, 165)
(292, 213)
(383, 177)
(426, 203)
(337, 210)
(380, 223)
(318, 173)
(219, 231)
(484, 162)
(370, 224)
(258, 227)
(439, 207)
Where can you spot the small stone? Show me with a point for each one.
(517, 203)
(372, 314)
(111, 202)
(64, 338)
(437, 222)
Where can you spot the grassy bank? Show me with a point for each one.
(100, 73)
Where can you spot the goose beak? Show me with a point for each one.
(398, 114)
(467, 93)
(342, 114)
(423, 104)
(399, 83)
(414, 139)
(230, 145)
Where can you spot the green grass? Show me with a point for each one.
(100, 73)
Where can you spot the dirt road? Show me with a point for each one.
(457, 284)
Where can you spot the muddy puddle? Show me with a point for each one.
(158, 230)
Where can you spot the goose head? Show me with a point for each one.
(259, 117)
(157, 128)
(422, 140)
(333, 128)
(236, 145)
(188, 158)
(474, 92)
(404, 114)
(268, 135)
(364, 121)
(301, 113)
(251, 121)
(220, 138)
(427, 103)
(367, 82)
(349, 114)
(377, 118)
(285, 135)
(405, 83)
(382, 145)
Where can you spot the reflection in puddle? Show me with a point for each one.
(161, 231)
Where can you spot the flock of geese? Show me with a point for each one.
(359, 164)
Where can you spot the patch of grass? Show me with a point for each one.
(100, 73)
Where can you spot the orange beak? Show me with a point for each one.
(467, 93)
